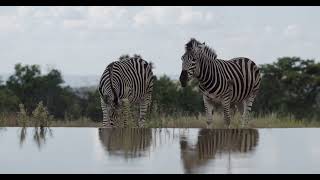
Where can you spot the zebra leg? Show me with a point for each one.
(144, 105)
(106, 122)
(226, 111)
(247, 104)
(244, 117)
(125, 105)
(209, 110)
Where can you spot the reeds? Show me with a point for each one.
(40, 117)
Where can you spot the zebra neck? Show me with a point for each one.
(205, 68)
(208, 77)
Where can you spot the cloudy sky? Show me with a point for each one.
(83, 40)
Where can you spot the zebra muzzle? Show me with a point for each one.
(184, 78)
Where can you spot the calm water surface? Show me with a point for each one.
(93, 150)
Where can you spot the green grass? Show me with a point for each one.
(268, 121)
(40, 117)
(13, 121)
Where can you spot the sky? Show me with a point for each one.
(84, 40)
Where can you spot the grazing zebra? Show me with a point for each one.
(227, 82)
(130, 78)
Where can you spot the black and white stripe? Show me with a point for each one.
(130, 79)
(228, 82)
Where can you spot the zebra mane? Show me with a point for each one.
(110, 68)
(206, 50)
(209, 52)
(151, 65)
(190, 45)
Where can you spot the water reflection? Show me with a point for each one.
(213, 141)
(40, 135)
(126, 142)
(193, 150)
(2, 129)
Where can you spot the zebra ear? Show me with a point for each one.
(202, 45)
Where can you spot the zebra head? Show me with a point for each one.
(189, 58)
(114, 104)
(111, 108)
(111, 98)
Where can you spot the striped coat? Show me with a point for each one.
(130, 79)
(228, 82)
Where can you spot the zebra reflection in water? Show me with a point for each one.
(213, 141)
(126, 142)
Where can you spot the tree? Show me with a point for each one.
(25, 84)
(190, 100)
(31, 87)
(289, 86)
(165, 95)
(93, 108)
(170, 99)
(9, 102)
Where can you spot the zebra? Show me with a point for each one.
(130, 78)
(234, 81)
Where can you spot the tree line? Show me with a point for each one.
(290, 86)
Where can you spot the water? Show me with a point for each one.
(90, 150)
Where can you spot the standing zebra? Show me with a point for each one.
(228, 82)
(130, 78)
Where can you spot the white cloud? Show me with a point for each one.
(71, 17)
(268, 29)
(187, 16)
(150, 14)
(292, 31)
(47, 18)
(171, 15)
(106, 12)
(105, 17)
(108, 17)
(75, 23)
(67, 31)
(208, 16)
(51, 12)
(308, 44)
(9, 23)
(24, 11)
(98, 18)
